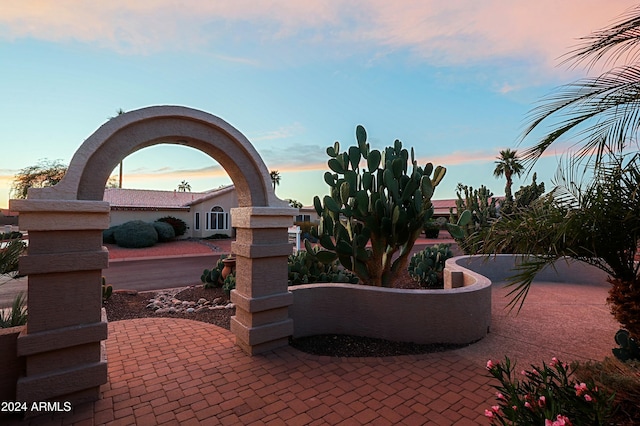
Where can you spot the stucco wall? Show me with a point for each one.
(460, 315)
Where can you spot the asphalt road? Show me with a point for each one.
(156, 274)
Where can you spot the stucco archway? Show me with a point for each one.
(62, 344)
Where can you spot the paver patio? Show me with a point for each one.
(175, 371)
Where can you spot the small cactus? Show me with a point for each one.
(312, 266)
(212, 278)
(427, 265)
(107, 290)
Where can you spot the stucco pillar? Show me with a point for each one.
(62, 341)
(261, 296)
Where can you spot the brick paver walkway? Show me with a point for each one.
(168, 371)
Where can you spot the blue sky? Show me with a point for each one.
(454, 80)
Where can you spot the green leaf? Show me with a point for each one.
(326, 242)
(354, 157)
(396, 167)
(344, 192)
(465, 218)
(373, 160)
(426, 187)
(438, 175)
(367, 181)
(331, 152)
(335, 165)
(331, 204)
(361, 135)
(330, 178)
(325, 256)
(308, 247)
(317, 205)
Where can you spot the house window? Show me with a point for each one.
(217, 220)
(197, 221)
(303, 218)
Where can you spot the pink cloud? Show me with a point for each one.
(444, 33)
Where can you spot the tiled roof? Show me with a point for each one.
(146, 198)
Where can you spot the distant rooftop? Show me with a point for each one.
(148, 198)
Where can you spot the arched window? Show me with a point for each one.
(217, 219)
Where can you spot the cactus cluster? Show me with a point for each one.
(305, 267)
(373, 215)
(427, 265)
(482, 211)
(212, 278)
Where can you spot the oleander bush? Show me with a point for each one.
(136, 234)
(179, 225)
(165, 231)
(547, 395)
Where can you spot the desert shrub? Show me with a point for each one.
(165, 231)
(17, 314)
(306, 268)
(217, 237)
(427, 265)
(108, 236)
(136, 234)
(179, 225)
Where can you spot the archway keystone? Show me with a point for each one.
(63, 342)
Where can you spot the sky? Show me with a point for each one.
(454, 80)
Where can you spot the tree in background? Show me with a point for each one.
(45, 173)
(275, 178)
(184, 186)
(294, 203)
(508, 164)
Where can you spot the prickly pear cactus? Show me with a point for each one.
(427, 265)
(378, 204)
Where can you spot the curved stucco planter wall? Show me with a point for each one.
(501, 267)
(460, 315)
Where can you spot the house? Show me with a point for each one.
(205, 213)
(440, 209)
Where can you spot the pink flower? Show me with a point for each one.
(587, 397)
(499, 395)
(554, 361)
(560, 421)
(580, 389)
(495, 408)
(488, 413)
(515, 407)
(548, 422)
(541, 401)
(490, 365)
(523, 372)
(527, 405)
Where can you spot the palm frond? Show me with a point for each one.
(603, 111)
(619, 41)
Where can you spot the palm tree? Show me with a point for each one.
(507, 165)
(275, 178)
(184, 186)
(605, 110)
(119, 111)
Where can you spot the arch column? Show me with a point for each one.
(62, 344)
(261, 295)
